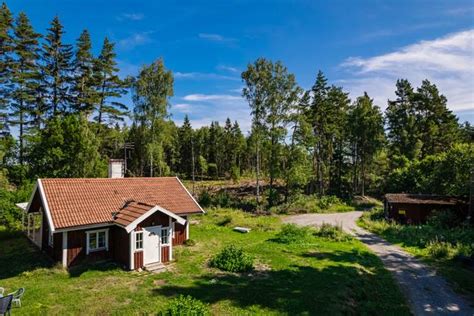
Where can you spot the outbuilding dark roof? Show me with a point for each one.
(407, 198)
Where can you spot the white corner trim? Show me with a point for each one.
(170, 236)
(130, 227)
(64, 249)
(190, 195)
(45, 204)
(132, 263)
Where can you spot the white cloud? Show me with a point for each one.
(135, 40)
(202, 75)
(446, 61)
(216, 107)
(215, 37)
(211, 97)
(131, 16)
(182, 107)
(228, 68)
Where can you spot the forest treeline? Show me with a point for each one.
(64, 105)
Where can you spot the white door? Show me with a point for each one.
(151, 244)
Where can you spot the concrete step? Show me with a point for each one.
(155, 267)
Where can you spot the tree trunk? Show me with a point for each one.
(257, 171)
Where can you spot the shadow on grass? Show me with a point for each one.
(103, 266)
(340, 288)
(18, 255)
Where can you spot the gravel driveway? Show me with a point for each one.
(426, 292)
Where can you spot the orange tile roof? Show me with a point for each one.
(130, 212)
(77, 202)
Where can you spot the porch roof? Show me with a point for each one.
(135, 212)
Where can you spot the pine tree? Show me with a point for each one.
(57, 68)
(438, 126)
(403, 130)
(367, 137)
(26, 77)
(109, 86)
(6, 50)
(186, 149)
(83, 89)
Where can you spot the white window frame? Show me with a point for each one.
(135, 241)
(89, 233)
(51, 239)
(168, 229)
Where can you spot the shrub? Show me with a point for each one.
(439, 249)
(444, 219)
(225, 221)
(222, 199)
(328, 200)
(331, 232)
(186, 306)
(232, 259)
(235, 174)
(212, 170)
(189, 242)
(291, 233)
(205, 199)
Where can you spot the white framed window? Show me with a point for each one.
(165, 236)
(51, 239)
(97, 240)
(138, 240)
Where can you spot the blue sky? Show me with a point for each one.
(361, 45)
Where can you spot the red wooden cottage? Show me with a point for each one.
(133, 221)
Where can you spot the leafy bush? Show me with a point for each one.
(291, 233)
(205, 199)
(189, 242)
(186, 306)
(225, 221)
(439, 249)
(212, 170)
(328, 200)
(444, 219)
(232, 259)
(332, 232)
(235, 174)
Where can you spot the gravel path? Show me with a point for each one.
(426, 292)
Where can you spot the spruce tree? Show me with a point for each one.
(83, 89)
(317, 118)
(403, 129)
(109, 86)
(57, 68)
(26, 77)
(438, 126)
(186, 149)
(6, 50)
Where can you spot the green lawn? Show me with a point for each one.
(416, 240)
(317, 277)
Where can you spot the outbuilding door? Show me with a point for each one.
(151, 244)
